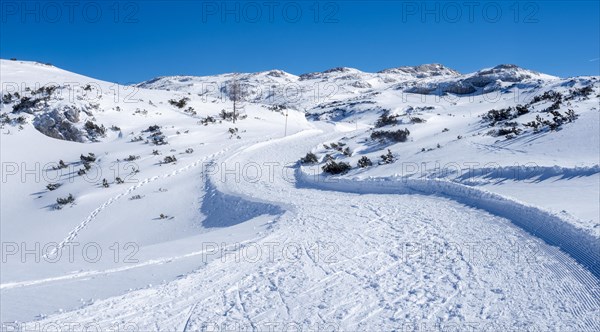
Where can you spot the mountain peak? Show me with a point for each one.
(512, 73)
(332, 72)
(338, 70)
(422, 71)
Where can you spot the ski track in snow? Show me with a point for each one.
(73, 233)
(364, 274)
(551, 228)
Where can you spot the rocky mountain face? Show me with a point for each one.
(422, 71)
(483, 81)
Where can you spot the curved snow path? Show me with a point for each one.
(581, 244)
(350, 261)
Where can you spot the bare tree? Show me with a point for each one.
(236, 96)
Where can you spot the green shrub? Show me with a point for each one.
(364, 162)
(64, 201)
(90, 158)
(387, 158)
(179, 103)
(400, 135)
(386, 119)
(53, 186)
(333, 167)
(310, 158)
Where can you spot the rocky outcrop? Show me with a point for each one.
(483, 81)
(422, 71)
(60, 124)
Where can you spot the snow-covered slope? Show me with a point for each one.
(299, 92)
(177, 199)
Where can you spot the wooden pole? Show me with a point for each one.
(287, 112)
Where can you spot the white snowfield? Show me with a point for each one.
(478, 233)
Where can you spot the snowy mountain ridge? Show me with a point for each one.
(354, 78)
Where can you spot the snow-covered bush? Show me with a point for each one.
(152, 129)
(277, 108)
(90, 158)
(169, 159)
(94, 130)
(181, 103)
(364, 161)
(548, 95)
(310, 158)
(386, 119)
(583, 92)
(228, 116)
(508, 131)
(67, 200)
(234, 133)
(61, 165)
(571, 115)
(387, 158)
(8, 98)
(521, 109)
(415, 119)
(333, 167)
(53, 186)
(554, 123)
(29, 104)
(494, 116)
(347, 152)
(555, 106)
(400, 135)
(207, 120)
(157, 138)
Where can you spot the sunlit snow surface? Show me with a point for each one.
(482, 232)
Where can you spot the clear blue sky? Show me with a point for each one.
(128, 41)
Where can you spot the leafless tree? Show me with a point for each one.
(235, 92)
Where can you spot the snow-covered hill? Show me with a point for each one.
(143, 206)
(299, 92)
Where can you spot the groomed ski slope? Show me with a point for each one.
(334, 259)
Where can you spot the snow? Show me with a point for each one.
(479, 233)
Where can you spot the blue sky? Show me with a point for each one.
(128, 41)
